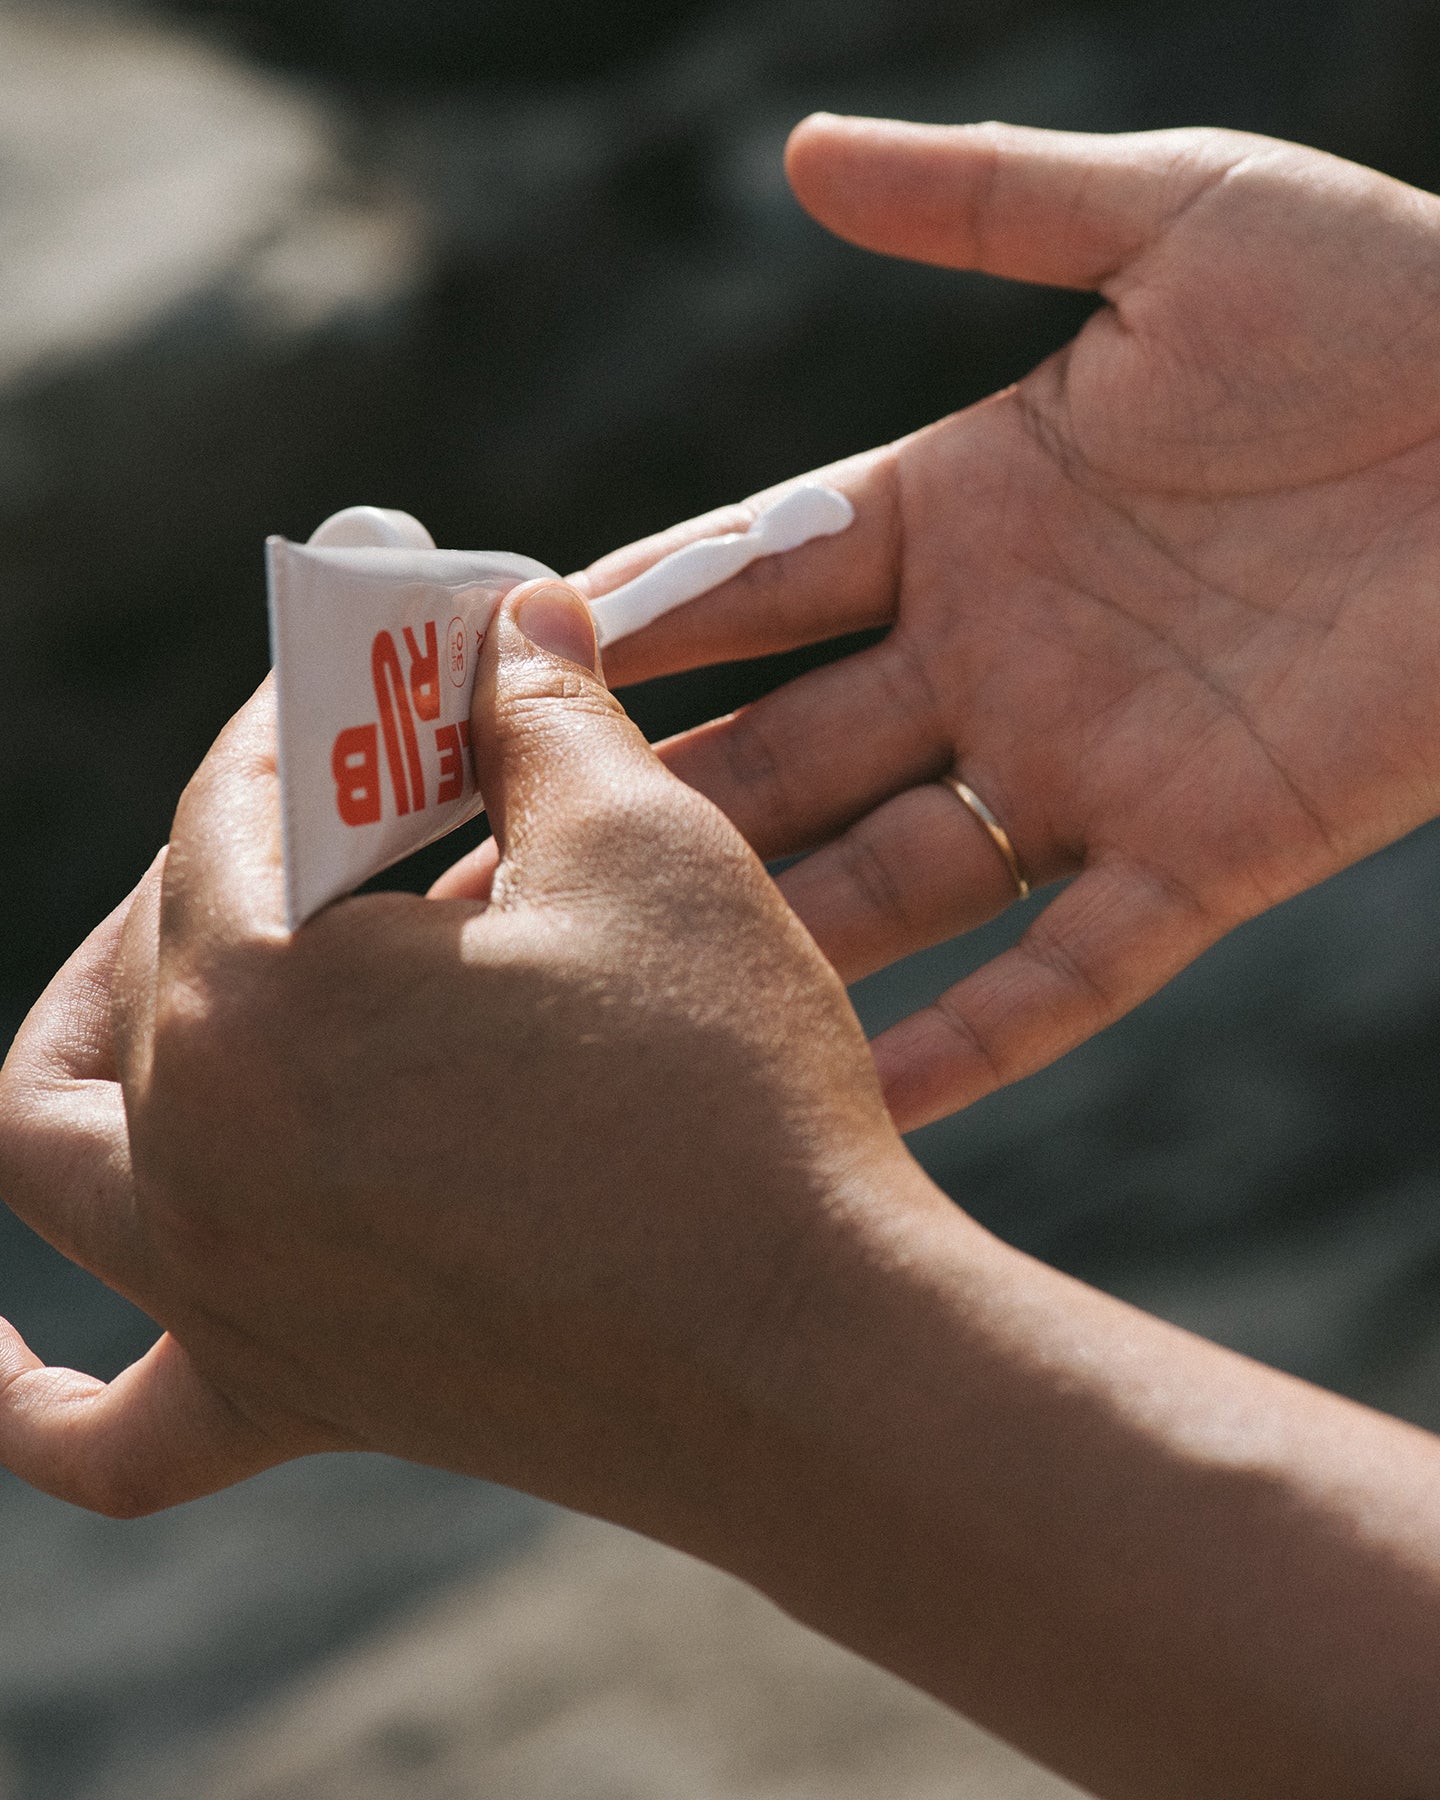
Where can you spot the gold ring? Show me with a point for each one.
(969, 799)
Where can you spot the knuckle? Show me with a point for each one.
(224, 1031)
(1069, 966)
(973, 1042)
(757, 766)
(562, 706)
(1201, 157)
(1221, 141)
(275, 1024)
(1172, 897)
(547, 692)
(223, 996)
(988, 142)
(874, 877)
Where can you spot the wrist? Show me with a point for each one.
(1095, 1534)
(782, 1379)
(831, 1374)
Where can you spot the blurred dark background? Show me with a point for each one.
(532, 272)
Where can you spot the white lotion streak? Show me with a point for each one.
(805, 513)
(376, 636)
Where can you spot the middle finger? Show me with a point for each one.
(798, 766)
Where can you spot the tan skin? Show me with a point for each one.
(1169, 605)
(581, 1179)
(219, 1117)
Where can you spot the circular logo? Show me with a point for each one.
(455, 651)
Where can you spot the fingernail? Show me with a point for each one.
(558, 620)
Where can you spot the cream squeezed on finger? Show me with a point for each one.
(375, 635)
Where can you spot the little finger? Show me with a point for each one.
(1115, 936)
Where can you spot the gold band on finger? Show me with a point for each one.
(999, 837)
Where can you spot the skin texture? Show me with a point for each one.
(466, 1120)
(1167, 605)
(579, 1176)
(590, 1188)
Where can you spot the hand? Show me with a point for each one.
(1169, 606)
(526, 1189)
(590, 1189)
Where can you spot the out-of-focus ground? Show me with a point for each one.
(597, 1664)
(533, 273)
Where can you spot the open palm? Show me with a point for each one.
(1169, 605)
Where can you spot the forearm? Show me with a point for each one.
(1163, 1569)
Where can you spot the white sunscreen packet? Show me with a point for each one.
(375, 636)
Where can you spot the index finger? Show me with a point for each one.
(224, 875)
(823, 589)
(222, 883)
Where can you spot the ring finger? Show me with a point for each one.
(917, 870)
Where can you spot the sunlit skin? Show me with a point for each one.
(1169, 605)
(579, 1175)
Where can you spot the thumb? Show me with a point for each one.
(1066, 208)
(157, 1435)
(552, 745)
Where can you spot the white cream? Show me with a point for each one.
(804, 513)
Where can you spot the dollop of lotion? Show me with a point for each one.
(806, 512)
